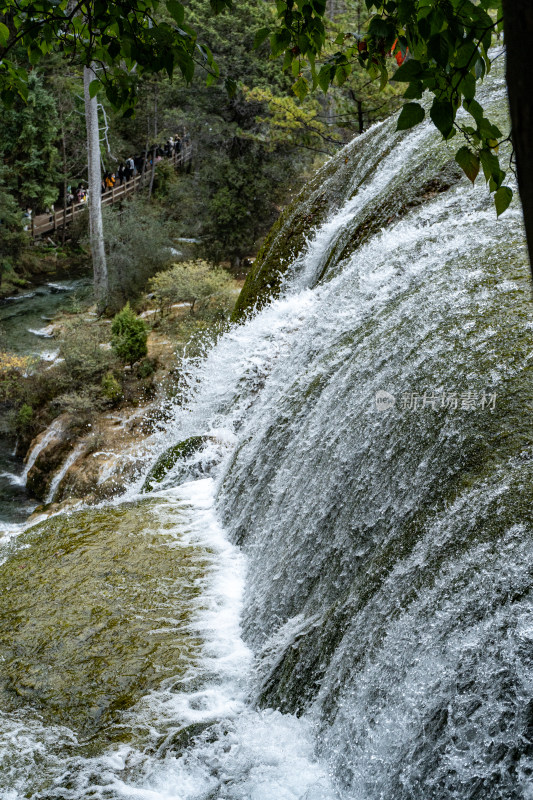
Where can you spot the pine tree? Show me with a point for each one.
(28, 143)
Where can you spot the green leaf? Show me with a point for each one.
(300, 88)
(231, 86)
(409, 71)
(279, 42)
(442, 116)
(324, 78)
(34, 54)
(380, 28)
(176, 11)
(342, 73)
(491, 167)
(468, 86)
(94, 88)
(469, 162)
(502, 199)
(414, 91)
(260, 36)
(412, 114)
(438, 50)
(4, 34)
(473, 108)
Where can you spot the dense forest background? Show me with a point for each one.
(252, 151)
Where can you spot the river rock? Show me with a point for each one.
(94, 612)
(52, 446)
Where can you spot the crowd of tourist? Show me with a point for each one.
(136, 165)
(127, 170)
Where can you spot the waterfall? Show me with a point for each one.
(60, 474)
(367, 516)
(50, 433)
(380, 489)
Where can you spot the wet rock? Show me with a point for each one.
(47, 452)
(169, 459)
(94, 610)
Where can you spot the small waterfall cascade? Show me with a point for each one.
(60, 474)
(38, 448)
(362, 502)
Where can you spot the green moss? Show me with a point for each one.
(288, 235)
(170, 457)
(324, 193)
(283, 243)
(84, 613)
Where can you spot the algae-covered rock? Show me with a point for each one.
(94, 611)
(169, 459)
(346, 177)
(45, 456)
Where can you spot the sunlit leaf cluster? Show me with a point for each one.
(444, 46)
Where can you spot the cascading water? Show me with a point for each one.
(367, 443)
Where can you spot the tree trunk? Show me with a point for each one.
(360, 118)
(96, 228)
(334, 8)
(152, 176)
(65, 175)
(518, 30)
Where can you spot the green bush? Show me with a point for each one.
(79, 405)
(138, 244)
(84, 358)
(111, 388)
(146, 368)
(24, 418)
(129, 335)
(195, 282)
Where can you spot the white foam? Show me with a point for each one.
(60, 474)
(44, 333)
(246, 754)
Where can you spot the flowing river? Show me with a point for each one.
(26, 330)
(329, 596)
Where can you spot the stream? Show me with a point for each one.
(25, 318)
(25, 321)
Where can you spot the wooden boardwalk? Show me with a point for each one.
(47, 223)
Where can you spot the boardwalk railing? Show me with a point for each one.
(46, 223)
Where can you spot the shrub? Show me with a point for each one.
(146, 368)
(84, 360)
(138, 244)
(80, 406)
(195, 282)
(24, 418)
(111, 388)
(129, 335)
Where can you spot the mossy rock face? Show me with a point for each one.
(319, 197)
(85, 609)
(169, 459)
(46, 465)
(283, 243)
(346, 176)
